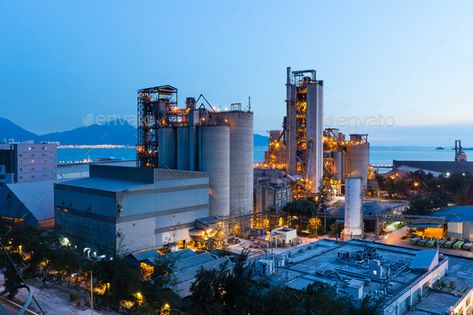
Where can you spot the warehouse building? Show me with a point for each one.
(436, 168)
(120, 209)
(28, 203)
(459, 221)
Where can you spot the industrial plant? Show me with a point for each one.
(314, 158)
(199, 138)
(303, 161)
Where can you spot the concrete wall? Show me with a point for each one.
(86, 231)
(468, 230)
(464, 306)
(455, 229)
(86, 216)
(93, 202)
(400, 304)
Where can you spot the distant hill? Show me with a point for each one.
(9, 130)
(113, 132)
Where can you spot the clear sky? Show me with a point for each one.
(401, 63)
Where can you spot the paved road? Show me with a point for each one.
(394, 238)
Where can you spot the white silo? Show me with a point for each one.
(358, 158)
(241, 159)
(353, 208)
(214, 158)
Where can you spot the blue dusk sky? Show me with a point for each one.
(398, 70)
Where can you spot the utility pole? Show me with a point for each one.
(91, 292)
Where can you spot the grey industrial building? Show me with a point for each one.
(28, 203)
(120, 209)
(272, 189)
(436, 168)
(459, 221)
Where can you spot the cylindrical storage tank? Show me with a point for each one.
(214, 158)
(183, 148)
(167, 148)
(358, 159)
(241, 160)
(353, 225)
(314, 123)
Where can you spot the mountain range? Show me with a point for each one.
(113, 132)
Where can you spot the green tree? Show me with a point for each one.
(313, 226)
(303, 209)
(157, 291)
(124, 280)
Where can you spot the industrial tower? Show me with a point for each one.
(304, 127)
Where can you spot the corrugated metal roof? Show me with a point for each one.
(437, 166)
(38, 197)
(186, 272)
(456, 213)
(150, 255)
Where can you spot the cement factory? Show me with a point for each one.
(194, 188)
(208, 187)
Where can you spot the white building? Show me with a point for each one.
(27, 162)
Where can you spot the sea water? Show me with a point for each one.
(379, 155)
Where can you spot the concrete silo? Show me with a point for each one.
(241, 159)
(314, 121)
(167, 148)
(186, 148)
(214, 158)
(358, 158)
(353, 226)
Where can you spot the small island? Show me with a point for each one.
(439, 148)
